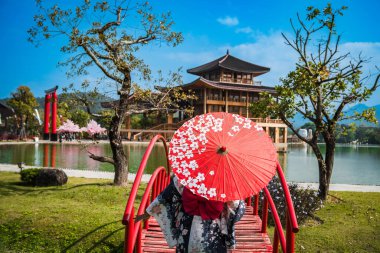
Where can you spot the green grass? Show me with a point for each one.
(85, 214)
(82, 216)
(351, 223)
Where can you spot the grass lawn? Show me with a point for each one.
(351, 223)
(85, 214)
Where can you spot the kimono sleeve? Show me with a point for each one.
(237, 210)
(165, 209)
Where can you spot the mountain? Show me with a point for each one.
(300, 121)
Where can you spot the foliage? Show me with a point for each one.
(80, 117)
(321, 86)
(99, 34)
(305, 201)
(23, 103)
(361, 134)
(352, 133)
(29, 176)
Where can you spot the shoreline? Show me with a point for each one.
(86, 141)
(5, 167)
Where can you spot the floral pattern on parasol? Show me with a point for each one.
(222, 156)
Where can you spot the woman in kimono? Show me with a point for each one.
(192, 223)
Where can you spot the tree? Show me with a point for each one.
(109, 41)
(323, 83)
(23, 103)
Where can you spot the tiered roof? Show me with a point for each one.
(231, 63)
(202, 82)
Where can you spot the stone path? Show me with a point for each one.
(145, 178)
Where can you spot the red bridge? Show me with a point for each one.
(251, 230)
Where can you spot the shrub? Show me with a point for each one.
(44, 177)
(29, 176)
(305, 201)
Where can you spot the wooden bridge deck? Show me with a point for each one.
(248, 236)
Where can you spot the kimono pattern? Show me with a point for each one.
(190, 233)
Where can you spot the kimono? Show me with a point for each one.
(190, 233)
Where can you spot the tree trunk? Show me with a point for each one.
(325, 174)
(118, 154)
(120, 160)
(322, 169)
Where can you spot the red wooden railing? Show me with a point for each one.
(287, 242)
(160, 179)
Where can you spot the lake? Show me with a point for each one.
(353, 164)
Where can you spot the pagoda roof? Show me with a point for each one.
(202, 82)
(229, 62)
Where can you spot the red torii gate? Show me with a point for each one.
(51, 96)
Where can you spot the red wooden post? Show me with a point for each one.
(264, 216)
(249, 201)
(146, 224)
(160, 183)
(53, 150)
(54, 136)
(155, 190)
(157, 187)
(46, 156)
(290, 236)
(138, 240)
(47, 117)
(256, 205)
(275, 241)
(129, 231)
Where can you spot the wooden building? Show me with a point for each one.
(228, 84)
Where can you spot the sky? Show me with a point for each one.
(250, 30)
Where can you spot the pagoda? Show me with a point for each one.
(227, 84)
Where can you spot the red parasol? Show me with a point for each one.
(222, 156)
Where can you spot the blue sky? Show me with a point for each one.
(251, 30)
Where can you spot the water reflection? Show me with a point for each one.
(353, 164)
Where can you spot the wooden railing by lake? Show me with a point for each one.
(267, 120)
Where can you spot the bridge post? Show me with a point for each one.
(290, 236)
(264, 220)
(129, 231)
(256, 205)
(275, 241)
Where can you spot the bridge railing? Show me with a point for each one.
(161, 178)
(158, 181)
(286, 241)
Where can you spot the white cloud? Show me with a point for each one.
(228, 21)
(246, 30)
(269, 51)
